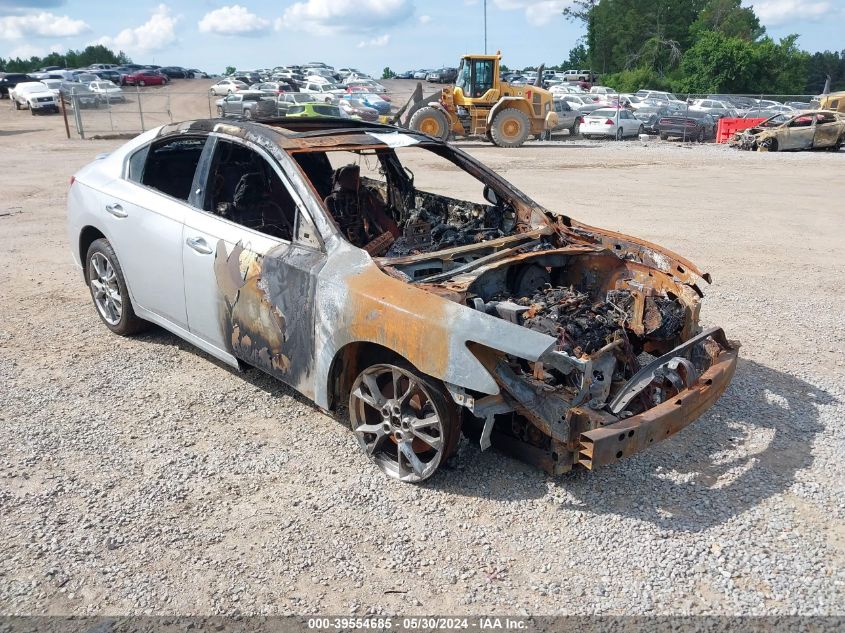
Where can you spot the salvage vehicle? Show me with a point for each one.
(249, 104)
(427, 301)
(821, 129)
(144, 78)
(480, 104)
(10, 80)
(611, 122)
(35, 96)
(687, 126)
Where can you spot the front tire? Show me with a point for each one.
(220, 112)
(510, 128)
(142, 83)
(575, 130)
(430, 121)
(108, 289)
(404, 421)
(701, 135)
(619, 134)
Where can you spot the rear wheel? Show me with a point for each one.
(575, 129)
(701, 135)
(664, 137)
(430, 121)
(510, 128)
(619, 134)
(142, 83)
(220, 111)
(404, 421)
(108, 289)
(248, 114)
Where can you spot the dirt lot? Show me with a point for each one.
(139, 476)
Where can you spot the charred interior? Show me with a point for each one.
(621, 315)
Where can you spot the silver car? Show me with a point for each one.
(248, 104)
(308, 249)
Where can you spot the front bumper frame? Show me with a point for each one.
(613, 442)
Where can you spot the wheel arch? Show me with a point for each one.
(349, 361)
(87, 236)
(517, 103)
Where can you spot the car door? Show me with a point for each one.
(250, 292)
(827, 131)
(800, 132)
(143, 213)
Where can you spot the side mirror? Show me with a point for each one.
(490, 196)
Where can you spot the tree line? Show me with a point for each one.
(96, 54)
(694, 46)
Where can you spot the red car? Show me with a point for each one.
(144, 78)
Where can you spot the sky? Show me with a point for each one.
(365, 34)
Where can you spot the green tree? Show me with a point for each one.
(730, 18)
(387, 73)
(97, 54)
(230, 70)
(578, 58)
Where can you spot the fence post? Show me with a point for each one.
(64, 112)
(77, 115)
(108, 105)
(140, 109)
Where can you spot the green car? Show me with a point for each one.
(314, 110)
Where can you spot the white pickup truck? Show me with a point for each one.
(33, 96)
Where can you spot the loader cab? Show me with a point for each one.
(478, 75)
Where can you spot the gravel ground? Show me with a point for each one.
(140, 476)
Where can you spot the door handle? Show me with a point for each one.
(116, 210)
(199, 245)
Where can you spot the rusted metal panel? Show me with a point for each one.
(611, 443)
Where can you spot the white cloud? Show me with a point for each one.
(155, 34)
(325, 17)
(44, 24)
(25, 51)
(381, 40)
(424, 19)
(537, 12)
(775, 12)
(233, 20)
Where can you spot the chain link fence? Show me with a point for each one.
(131, 112)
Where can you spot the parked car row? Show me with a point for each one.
(255, 104)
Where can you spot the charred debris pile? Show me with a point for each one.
(583, 324)
(435, 227)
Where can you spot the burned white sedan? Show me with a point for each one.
(312, 250)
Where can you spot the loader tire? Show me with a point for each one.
(430, 121)
(510, 128)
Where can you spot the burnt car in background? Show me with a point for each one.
(426, 301)
(821, 129)
(687, 125)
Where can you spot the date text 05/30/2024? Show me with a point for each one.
(424, 623)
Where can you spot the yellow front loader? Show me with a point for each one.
(481, 105)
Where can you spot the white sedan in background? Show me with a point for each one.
(617, 123)
(226, 87)
(108, 91)
(323, 92)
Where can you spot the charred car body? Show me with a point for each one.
(361, 284)
(821, 129)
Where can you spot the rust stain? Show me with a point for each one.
(407, 320)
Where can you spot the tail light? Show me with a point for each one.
(663, 122)
(580, 120)
(609, 122)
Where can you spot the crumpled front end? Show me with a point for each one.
(627, 365)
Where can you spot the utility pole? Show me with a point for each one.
(485, 27)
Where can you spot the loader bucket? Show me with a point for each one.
(403, 116)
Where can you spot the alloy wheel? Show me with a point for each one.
(105, 288)
(397, 423)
